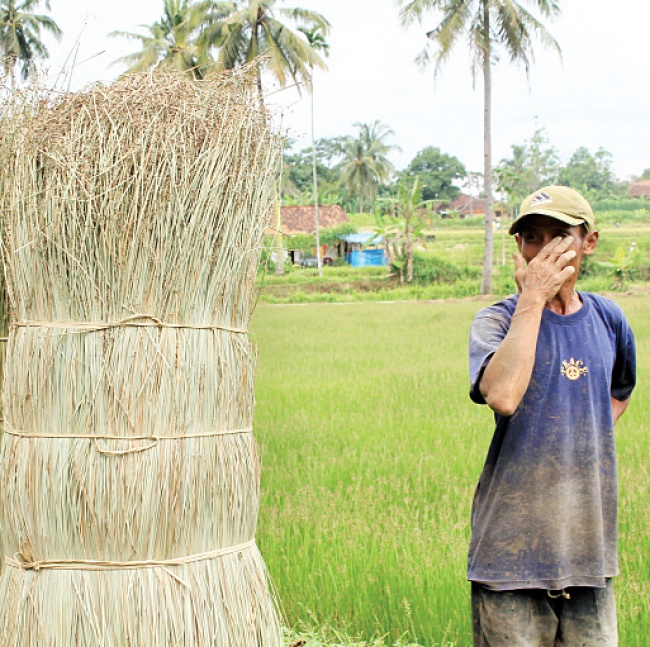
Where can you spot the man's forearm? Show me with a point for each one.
(507, 376)
(618, 408)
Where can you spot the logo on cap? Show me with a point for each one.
(541, 198)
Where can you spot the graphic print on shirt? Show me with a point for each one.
(572, 369)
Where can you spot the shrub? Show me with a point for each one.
(431, 269)
(630, 204)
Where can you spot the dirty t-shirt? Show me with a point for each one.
(544, 512)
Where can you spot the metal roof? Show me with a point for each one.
(362, 238)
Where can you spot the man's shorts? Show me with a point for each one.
(576, 617)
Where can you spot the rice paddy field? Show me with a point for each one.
(371, 450)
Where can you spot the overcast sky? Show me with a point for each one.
(598, 95)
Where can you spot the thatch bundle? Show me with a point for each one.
(129, 478)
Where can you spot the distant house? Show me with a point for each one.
(300, 219)
(468, 206)
(640, 189)
(296, 220)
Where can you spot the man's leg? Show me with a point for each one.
(512, 618)
(588, 618)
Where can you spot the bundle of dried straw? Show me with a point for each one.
(129, 478)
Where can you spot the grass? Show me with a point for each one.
(371, 450)
(461, 244)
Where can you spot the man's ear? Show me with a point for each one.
(518, 240)
(589, 243)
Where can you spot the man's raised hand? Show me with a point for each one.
(547, 272)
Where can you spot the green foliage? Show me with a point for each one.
(621, 263)
(175, 40)
(253, 30)
(623, 204)
(358, 220)
(431, 269)
(305, 243)
(21, 42)
(198, 37)
(476, 222)
(510, 26)
(298, 176)
(365, 165)
(591, 175)
(437, 172)
(533, 164)
(402, 235)
(489, 26)
(304, 635)
(331, 235)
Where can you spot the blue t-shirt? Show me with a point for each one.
(545, 509)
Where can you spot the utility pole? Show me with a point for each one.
(319, 260)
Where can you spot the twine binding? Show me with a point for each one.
(153, 439)
(19, 561)
(133, 321)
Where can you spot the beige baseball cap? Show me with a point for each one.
(559, 202)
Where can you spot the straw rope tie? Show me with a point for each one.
(19, 561)
(133, 321)
(154, 439)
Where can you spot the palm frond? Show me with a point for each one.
(307, 18)
(415, 10)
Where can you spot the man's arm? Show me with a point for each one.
(618, 408)
(507, 376)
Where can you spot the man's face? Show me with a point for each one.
(538, 231)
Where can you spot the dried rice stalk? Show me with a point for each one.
(133, 219)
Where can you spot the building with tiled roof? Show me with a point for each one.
(466, 205)
(300, 219)
(640, 189)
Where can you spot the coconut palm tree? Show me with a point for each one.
(316, 39)
(20, 36)
(252, 30)
(174, 40)
(365, 164)
(489, 25)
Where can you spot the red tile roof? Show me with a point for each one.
(640, 189)
(300, 220)
(462, 204)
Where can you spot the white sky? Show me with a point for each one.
(599, 96)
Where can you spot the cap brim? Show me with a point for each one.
(558, 215)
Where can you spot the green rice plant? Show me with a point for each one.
(325, 636)
(371, 451)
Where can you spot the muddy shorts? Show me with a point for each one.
(576, 617)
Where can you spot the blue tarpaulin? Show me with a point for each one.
(366, 258)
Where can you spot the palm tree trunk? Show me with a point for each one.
(279, 249)
(389, 259)
(409, 259)
(486, 286)
(279, 241)
(319, 260)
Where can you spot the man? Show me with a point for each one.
(557, 367)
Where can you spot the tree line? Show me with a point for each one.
(355, 172)
(205, 36)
